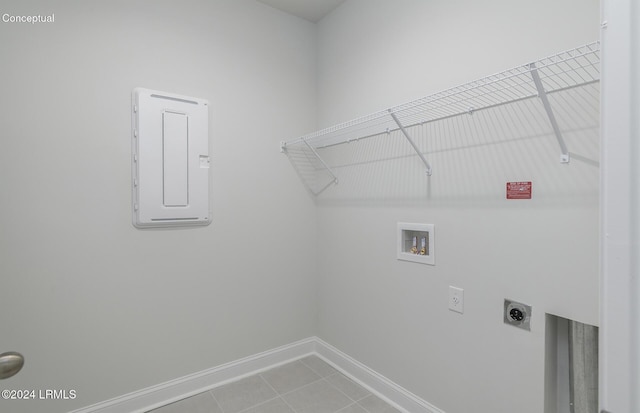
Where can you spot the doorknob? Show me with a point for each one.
(10, 364)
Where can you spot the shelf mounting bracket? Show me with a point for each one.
(335, 178)
(406, 135)
(542, 94)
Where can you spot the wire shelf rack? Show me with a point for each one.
(564, 71)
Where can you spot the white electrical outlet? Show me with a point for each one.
(456, 299)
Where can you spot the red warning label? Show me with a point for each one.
(518, 190)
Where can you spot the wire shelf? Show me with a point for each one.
(561, 72)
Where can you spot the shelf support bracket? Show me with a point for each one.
(406, 135)
(335, 178)
(542, 94)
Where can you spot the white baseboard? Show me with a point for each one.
(174, 390)
(373, 381)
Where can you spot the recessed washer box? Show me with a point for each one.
(416, 243)
(170, 159)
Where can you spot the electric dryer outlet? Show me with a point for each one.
(517, 314)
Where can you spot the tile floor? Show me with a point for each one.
(308, 385)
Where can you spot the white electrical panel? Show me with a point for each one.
(417, 243)
(170, 160)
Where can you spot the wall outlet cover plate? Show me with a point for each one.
(456, 299)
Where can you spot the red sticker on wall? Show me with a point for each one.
(518, 190)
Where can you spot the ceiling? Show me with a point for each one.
(312, 10)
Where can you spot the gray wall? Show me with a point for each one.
(94, 304)
(98, 306)
(393, 315)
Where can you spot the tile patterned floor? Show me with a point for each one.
(308, 385)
